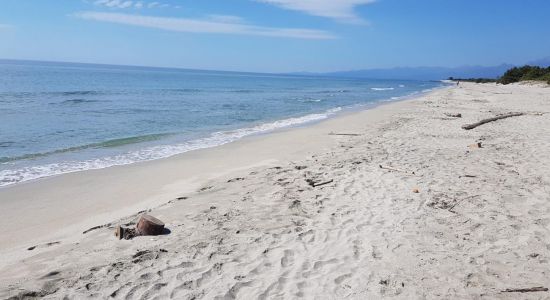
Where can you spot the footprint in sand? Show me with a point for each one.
(319, 264)
(287, 259)
(340, 279)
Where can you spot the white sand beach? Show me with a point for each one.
(440, 220)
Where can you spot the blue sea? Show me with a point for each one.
(58, 118)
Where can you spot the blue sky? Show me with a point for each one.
(276, 35)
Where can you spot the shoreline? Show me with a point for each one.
(244, 221)
(204, 142)
(104, 209)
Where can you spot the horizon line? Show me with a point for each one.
(290, 73)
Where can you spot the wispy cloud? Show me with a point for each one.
(341, 10)
(115, 3)
(139, 4)
(155, 4)
(212, 24)
(225, 19)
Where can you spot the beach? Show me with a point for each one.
(389, 202)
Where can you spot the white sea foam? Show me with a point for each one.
(382, 89)
(8, 177)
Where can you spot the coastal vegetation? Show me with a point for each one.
(515, 74)
(476, 80)
(524, 73)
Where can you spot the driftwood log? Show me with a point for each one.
(485, 121)
(149, 225)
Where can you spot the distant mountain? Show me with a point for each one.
(430, 73)
(543, 62)
(423, 73)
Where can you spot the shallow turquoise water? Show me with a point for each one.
(57, 118)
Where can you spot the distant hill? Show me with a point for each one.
(422, 73)
(431, 73)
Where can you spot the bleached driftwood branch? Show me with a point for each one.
(485, 121)
(348, 134)
(527, 290)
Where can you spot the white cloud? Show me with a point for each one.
(131, 4)
(225, 19)
(341, 10)
(126, 4)
(114, 3)
(209, 25)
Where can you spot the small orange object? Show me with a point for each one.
(416, 191)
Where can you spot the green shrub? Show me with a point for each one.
(525, 73)
(515, 74)
(511, 76)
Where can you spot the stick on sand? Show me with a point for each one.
(348, 134)
(397, 170)
(316, 184)
(527, 290)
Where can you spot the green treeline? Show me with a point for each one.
(515, 74)
(525, 73)
(476, 80)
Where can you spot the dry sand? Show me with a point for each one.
(246, 224)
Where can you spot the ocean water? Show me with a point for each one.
(58, 118)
